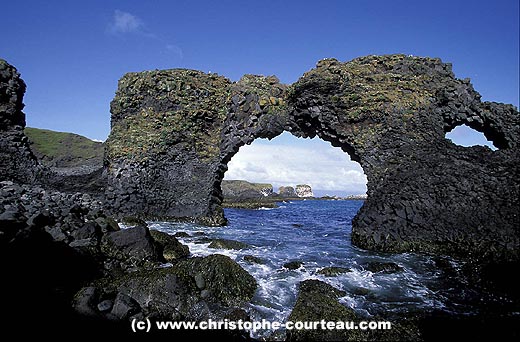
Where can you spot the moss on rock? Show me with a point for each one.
(154, 110)
(171, 248)
(319, 301)
(225, 280)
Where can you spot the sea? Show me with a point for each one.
(317, 233)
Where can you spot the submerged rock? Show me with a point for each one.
(383, 267)
(293, 265)
(333, 271)
(253, 259)
(227, 244)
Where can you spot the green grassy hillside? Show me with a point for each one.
(61, 149)
(243, 189)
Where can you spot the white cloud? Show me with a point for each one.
(124, 22)
(320, 165)
(127, 23)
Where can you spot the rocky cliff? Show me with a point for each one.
(174, 131)
(17, 162)
(286, 191)
(237, 190)
(304, 190)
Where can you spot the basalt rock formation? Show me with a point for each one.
(174, 131)
(17, 162)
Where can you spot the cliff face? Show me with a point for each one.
(174, 131)
(17, 163)
(242, 190)
(286, 191)
(163, 152)
(304, 190)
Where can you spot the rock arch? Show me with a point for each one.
(173, 132)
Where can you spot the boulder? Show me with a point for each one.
(333, 271)
(383, 267)
(253, 259)
(227, 244)
(227, 282)
(132, 246)
(318, 301)
(293, 265)
(195, 288)
(123, 306)
(171, 248)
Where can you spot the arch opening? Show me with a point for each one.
(463, 135)
(287, 161)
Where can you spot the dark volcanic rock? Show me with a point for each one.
(333, 271)
(133, 245)
(167, 153)
(318, 301)
(181, 235)
(383, 267)
(171, 248)
(227, 244)
(192, 289)
(293, 265)
(254, 260)
(225, 281)
(17, 162)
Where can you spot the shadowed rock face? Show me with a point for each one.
(174, 131)
(17, 163)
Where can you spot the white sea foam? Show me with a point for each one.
(323, 240)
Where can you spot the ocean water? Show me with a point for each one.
(317, 233)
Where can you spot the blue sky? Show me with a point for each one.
(71, 53)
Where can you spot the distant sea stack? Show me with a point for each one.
(286, 191)
(304, 190)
